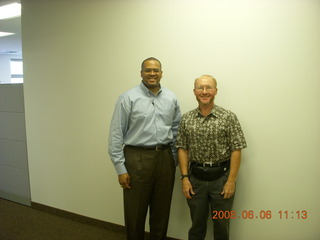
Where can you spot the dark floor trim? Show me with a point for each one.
(78, 218)
(83, 219)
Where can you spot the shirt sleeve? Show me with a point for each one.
(237, 139)
(182, 140)
(118, 128)
(175, 125)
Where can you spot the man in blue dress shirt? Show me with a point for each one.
(141, 146)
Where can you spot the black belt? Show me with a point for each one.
(151, 148)
(218, 164)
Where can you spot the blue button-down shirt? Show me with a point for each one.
(142, 118)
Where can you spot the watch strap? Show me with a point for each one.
(184, 176)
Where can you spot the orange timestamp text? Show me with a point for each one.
(262, 214)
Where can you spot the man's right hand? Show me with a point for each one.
(124, 180)
(187, 188)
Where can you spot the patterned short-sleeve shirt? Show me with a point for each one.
(212, 138)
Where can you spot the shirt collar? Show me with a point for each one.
(147, 91)
(214, 112)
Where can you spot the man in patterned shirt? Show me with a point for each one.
(209, 145)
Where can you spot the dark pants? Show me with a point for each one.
(152, 175)
(208, 193)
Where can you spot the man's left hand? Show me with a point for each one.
(228, 190)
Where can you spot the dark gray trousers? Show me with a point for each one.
(208, 193)
(152, 175)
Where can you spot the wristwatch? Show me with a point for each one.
(183, 176)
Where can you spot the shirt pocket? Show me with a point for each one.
(167, 114)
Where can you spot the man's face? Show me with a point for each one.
(205, 90)
(151, 74)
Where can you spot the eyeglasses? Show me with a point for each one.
(202, 88)
(149, 70)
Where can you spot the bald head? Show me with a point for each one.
(207, 77)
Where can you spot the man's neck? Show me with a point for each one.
(154, 90)
(206, 109)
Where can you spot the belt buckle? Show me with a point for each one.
(158, 148)
(207, 163)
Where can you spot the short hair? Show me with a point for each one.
(206, 75)
(151, 58)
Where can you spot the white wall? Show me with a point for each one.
(80, 55)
